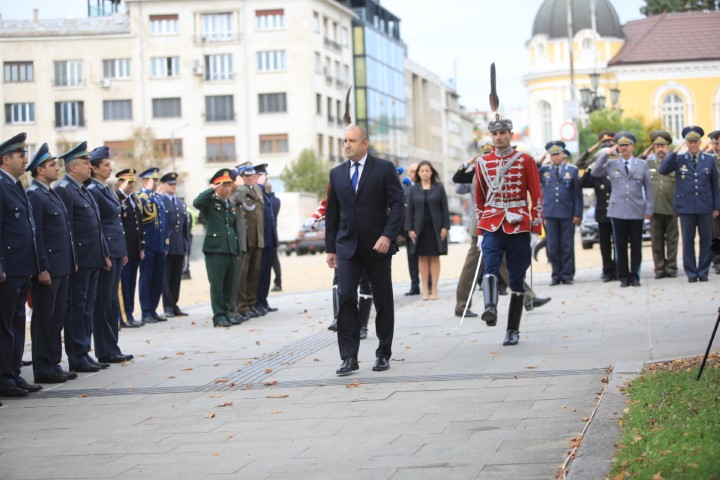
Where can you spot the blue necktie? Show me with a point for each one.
(355, 176)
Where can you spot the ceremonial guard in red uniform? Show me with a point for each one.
(504, 179)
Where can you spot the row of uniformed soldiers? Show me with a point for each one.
(240, 242)
(63, 250)
(683, 184)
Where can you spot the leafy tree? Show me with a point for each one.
(612, 120)
(306, 174)
(657, 7)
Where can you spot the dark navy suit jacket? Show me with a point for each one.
(111, 222)
(697, 186)
(85, 225)
(356, 220)
(177, 224)
(55, 249)
(17, 231)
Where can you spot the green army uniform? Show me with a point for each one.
(221, 250)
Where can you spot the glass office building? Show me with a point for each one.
(379, 57)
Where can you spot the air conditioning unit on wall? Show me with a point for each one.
(105, 83)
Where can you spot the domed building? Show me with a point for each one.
(665, 66)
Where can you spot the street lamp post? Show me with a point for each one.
(590, 98)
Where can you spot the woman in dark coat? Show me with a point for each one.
(427, 222)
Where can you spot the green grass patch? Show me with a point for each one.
(671, 429)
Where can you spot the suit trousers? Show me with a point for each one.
(105, 317)
(171, 282)
(560, 236)
(628, 232)
(703, 224)
(13, 295)
(266, 262)
(152, 275)
(512, 248)
(82, 289)
(277, 270)
(379, 271)
(250, 279)
(128, 282)
(413, 267)
(220, 271)
(46, 325)
(605, 233)
(664, 237)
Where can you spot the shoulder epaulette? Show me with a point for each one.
(63, 183)
(32, 188)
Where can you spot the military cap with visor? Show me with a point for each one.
(660, 137)
(221, 176)
(693, 132)
(78, 151)
(128, 174)
(150, 173)
(554, 147)
(169, 178)
(625, 138)
(41, 156)
(14, 144)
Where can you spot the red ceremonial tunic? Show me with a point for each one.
(518, 194)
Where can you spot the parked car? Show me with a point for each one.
(309, 240)
(589, 229)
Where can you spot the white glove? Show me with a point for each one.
(534, 239)
(479, 242)
(309, 222)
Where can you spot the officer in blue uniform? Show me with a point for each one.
(92, 255)
(631, 201)
(18, 262)
(562, 207)
(131, 217)
(107, 302)
(179, 238)
(155, 232)
(56, 256)
(697, 200)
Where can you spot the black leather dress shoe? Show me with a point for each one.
(624, 283)
(607, 278)
(30, 387)
(85, 368)
(261, 311)
(251, 313)
(13, 391)
(703, 279)
(381, 364)
(26, 363)
(237, 319)
(133, 324)
(160, 318)
(512, 337)
(569, 281)
(692, 280)
(333, 326)
(112, 359)
(671, 274)
(271, 309)
(468, 314)
(555, 282)
(149, 320)
(412, 292)
(276, 288)
(348, 366)
(70, 375)
(659, 275)
(180, 313)
(222, 323)
(537, 302)
(635, 282)
(52, 378)
(102, 365)
(169, 314)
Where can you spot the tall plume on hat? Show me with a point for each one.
(494, 100)
(346, 117)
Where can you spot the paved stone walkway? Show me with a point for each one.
(262, 401)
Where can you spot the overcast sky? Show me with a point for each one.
(470, 33)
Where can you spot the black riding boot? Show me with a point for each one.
(365, 303)
(336, 307)
(490, 295)
(512, 335)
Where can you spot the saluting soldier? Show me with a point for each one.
(714, 150)
(237, 197)
(131, 217)
(107, 303)
(18, 262)
(220, 247)
(697, 200)
(56, 256)
(664, 222)
(155, 232)
(179, 241)
(602, 188)
(252, 208)
(92, 255)
(631, 201)
(562, 209)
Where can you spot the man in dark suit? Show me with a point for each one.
(363, 218)
(131, 217)
(412, 259)
(251, 204)
(56, 256)
(92, 254)
(179, 238)
(270, 243)
(18, 262)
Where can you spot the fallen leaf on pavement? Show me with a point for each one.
(275, 412)
(353, 385)
(187, 369)
(165, 358)
(272, 382)
(83, 395)
(216, 454)
(316, 359)
(257, 342)
(268, 370)
(210, 415)
(215, 396)
(530, 367)
(179, 353)
(280, 395)
(221, 380)
(226, 404)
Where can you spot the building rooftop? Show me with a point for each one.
(114, 24)
(551, 18)
(670, 37)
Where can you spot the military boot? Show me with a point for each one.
(364, 307)
(512, 335)
(490, 295)
(336, 307)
